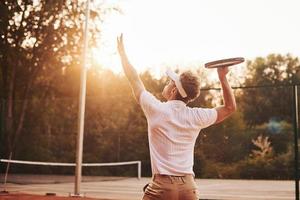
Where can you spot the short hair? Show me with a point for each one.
(191, 85)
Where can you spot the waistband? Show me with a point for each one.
(173, 178)
(165, 175)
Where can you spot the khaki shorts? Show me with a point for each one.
(166, 187)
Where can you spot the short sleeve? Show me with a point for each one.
(206, 116)
(149, 103)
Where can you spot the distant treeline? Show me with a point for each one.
(256, 142)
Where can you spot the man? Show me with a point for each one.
(173, 129)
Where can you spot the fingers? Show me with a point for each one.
(120, 44)
(223, 71)
(120, 39)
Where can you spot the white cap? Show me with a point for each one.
(177, 81)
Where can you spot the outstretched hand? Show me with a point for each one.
(131, 74)
(222, 71)
(120, 45)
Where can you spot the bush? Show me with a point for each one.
(279, 167)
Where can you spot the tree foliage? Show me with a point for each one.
(272, 98)
(37, 40)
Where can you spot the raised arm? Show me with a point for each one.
(229, 106)
(131, 74)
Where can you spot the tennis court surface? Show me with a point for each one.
(120, 188)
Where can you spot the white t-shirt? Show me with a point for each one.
(172, 131)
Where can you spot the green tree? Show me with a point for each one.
(37, 40)
(275, 72)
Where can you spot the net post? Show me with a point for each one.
(139, 170)
(79, 142)
(296, 126)
(6, 172)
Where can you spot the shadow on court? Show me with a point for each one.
(39, 197)
(21, 196)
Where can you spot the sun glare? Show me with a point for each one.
(180, 34)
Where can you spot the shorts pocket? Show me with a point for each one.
(153, 190)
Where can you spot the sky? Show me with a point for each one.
(188, 33)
